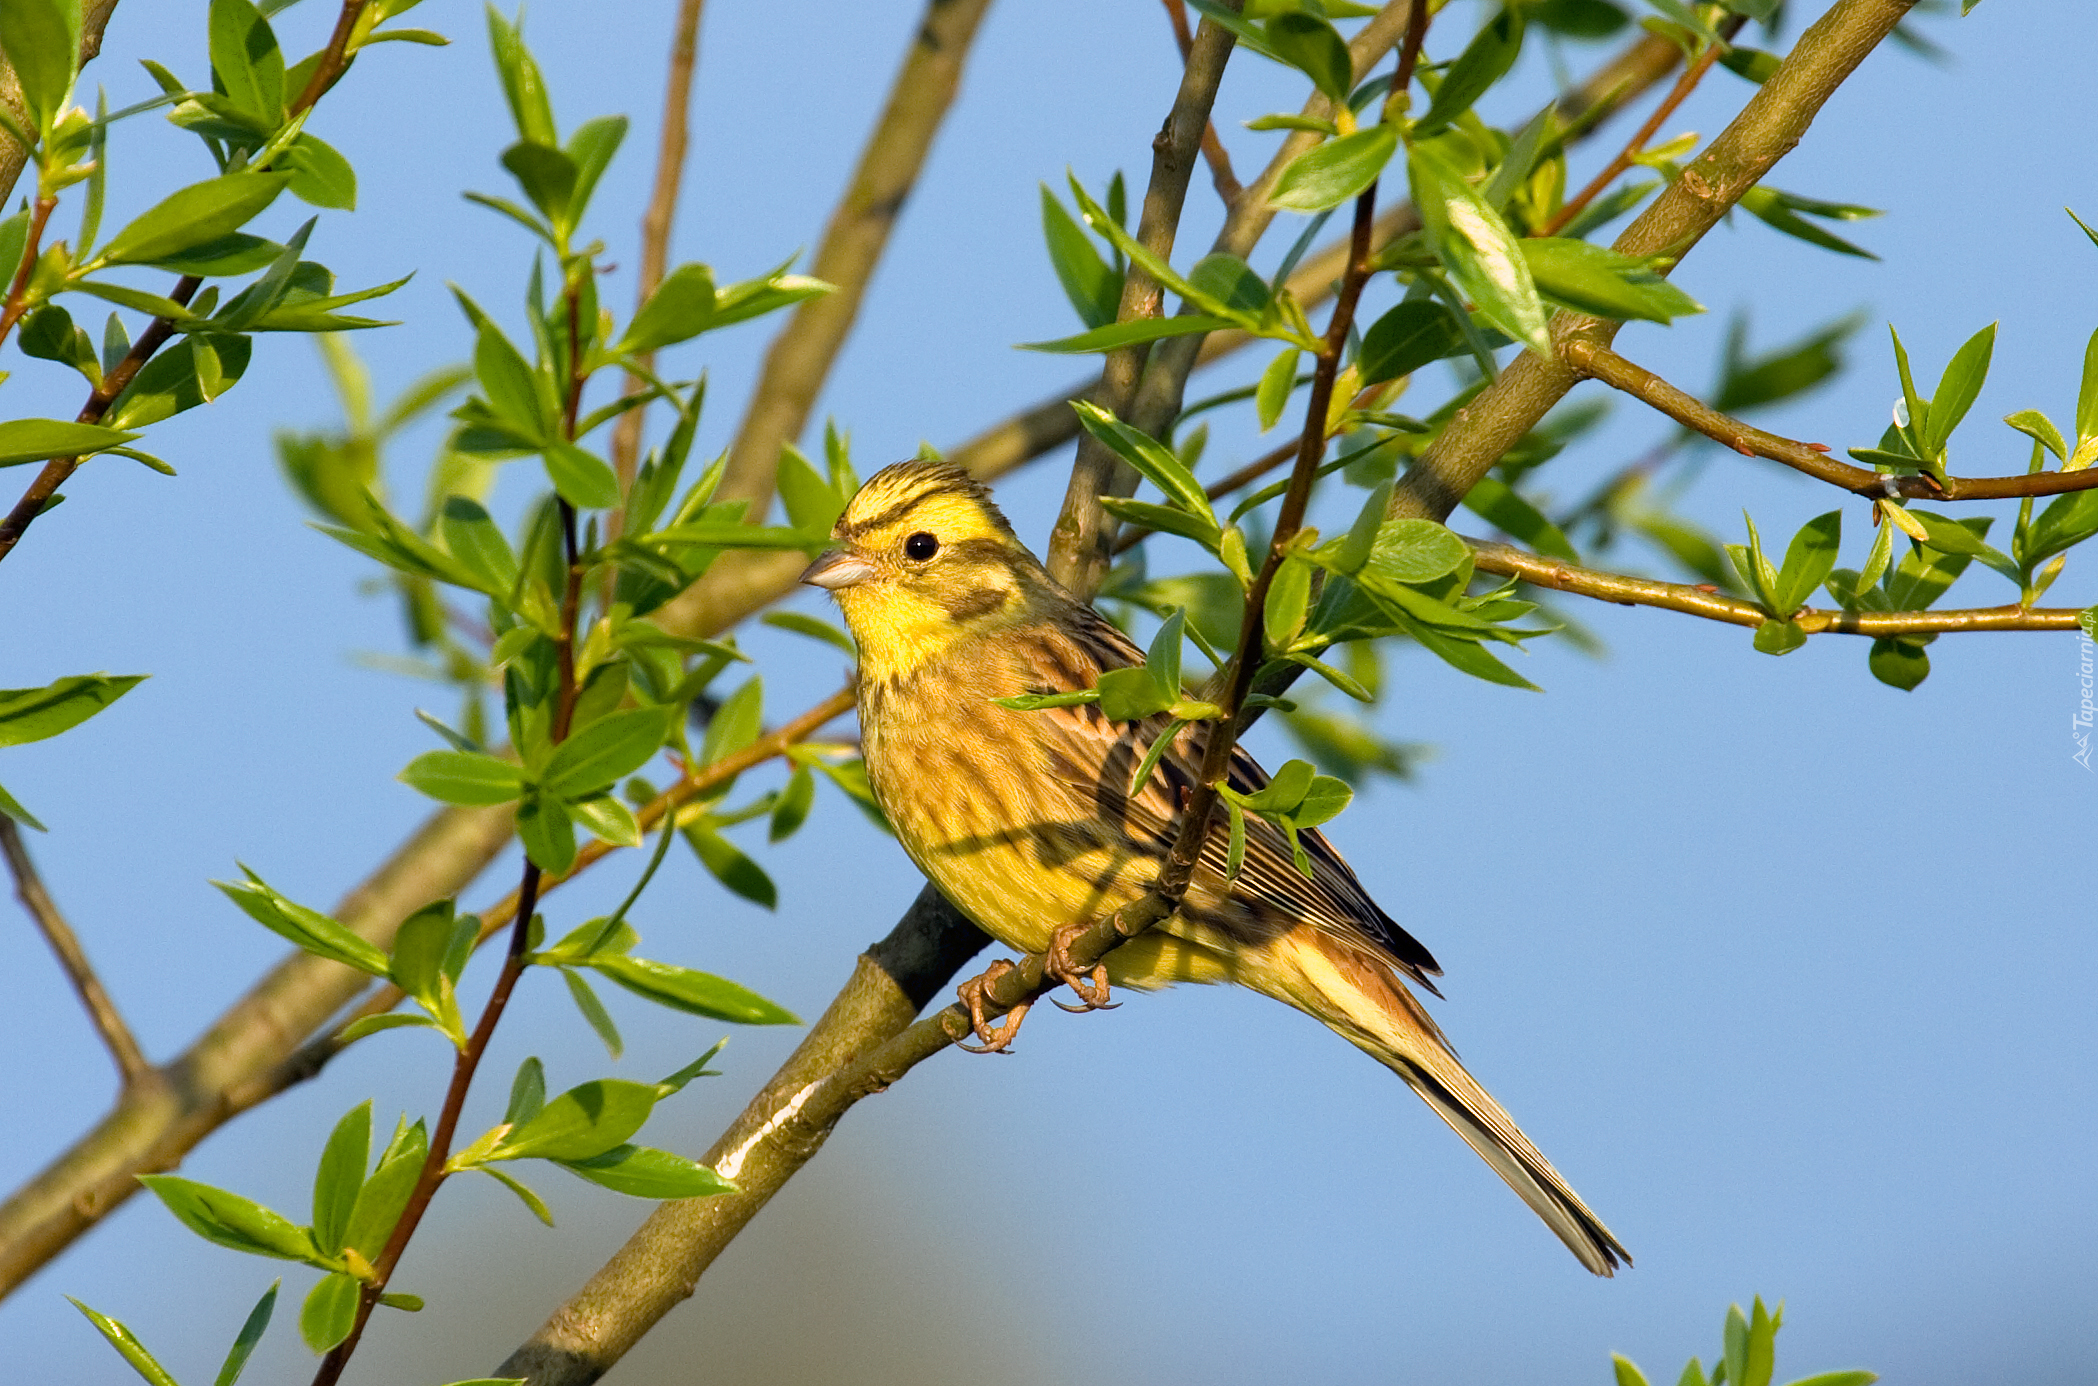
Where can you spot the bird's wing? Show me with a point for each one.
(1099, 758)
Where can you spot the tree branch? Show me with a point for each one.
(800, 357)
(1706, 602)
(1078, 543)
(1213, 151)
(1772, 122)
(1600, 363)
(108, 1021)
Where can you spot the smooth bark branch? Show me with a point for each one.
(1078, 543)
(1213, 151)
(158, 1120)
(1601, 363)
(655, 226)
(108, 1021)
(800, 357)
(1540, 571)
(1772, 122)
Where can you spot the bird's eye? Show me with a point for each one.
(921, 546)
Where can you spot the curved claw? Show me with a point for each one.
(1089, 983)
(973, 995)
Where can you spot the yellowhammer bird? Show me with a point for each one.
(1025, 820)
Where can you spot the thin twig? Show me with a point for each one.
(313, 1056)
(18, 291)
(108, 1021)
(1769, 126)
(655, 229)
(1685, 84)
(1708, 603)
(1601, 363)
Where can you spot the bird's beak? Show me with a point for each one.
(840, 568)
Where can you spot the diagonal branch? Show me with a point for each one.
(1213, 151)
(108, 1021)
(800, 357)
(1601, 363)
(1773, 121)
(1621, 590)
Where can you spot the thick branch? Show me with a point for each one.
(1601, 363)
(801, 356)
(1773, 121)
(1213, 151)
(1560, 576)
(1078, 543)
(108, 1021)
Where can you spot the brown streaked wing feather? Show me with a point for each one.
(1331, 899)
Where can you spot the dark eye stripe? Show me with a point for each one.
(982, 602)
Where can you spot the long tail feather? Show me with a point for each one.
(1361, 1001)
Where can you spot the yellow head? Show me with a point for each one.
(922, 561)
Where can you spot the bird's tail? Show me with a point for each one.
(1359, 999)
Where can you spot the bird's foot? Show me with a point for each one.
(1089, 983)
(975, 995)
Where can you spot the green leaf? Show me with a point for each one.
(1036, 702)
(121, 1338)
(385, 1194)
(1484, 61)
(194, 217)
(320, 176)
(646, 1173)
(547, 832)
(1849, 1378)
(330, 1311)
(1597, 280)
(478, 543)
(2068, 520)
(1809, 560)
(1130, 695)
(1626, 1373)
(1322, 802)
(1780, 210)
(1154, 460)
(811, 505)
(246, 63)
(2087, 402)
(1315, 48)
(2037, 426)
(584, 479)
(735, 724)
(603, 753)
(594, 1013)
(308, 928)
(730, 866)
(1164, 518)
(35, 440)
(1288, 602)
(1416, 332)
(681, 308)
(1277, 383)
(1762, 1349)
(791, 809)
(587, 1120)
(373, 1024)
(1958, 389)
(1117, 335)
(1284, 790)
(42, 41)
(1779, 637)
(170, 383)
(251, 1332)
(524, 1192)
(507, 384)
(230, 1220)
(340, 1177)
(32, 714)
(695, 992)
(1330, 173)
(1477, 250)
(590, 148)
(12, 807)
(523, 87)
(527, 1092)
(1095, 290)
(547, 175)
(1416, 552)
(814, 629)
(464, 778)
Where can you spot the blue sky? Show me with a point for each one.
(1789, 972)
